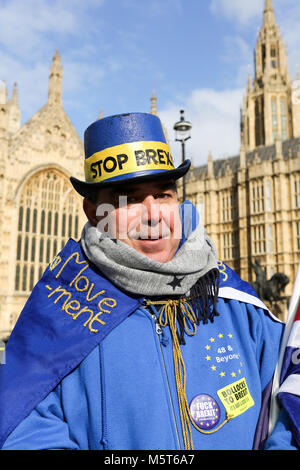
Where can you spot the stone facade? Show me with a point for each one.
(39, 210)
(250, 202)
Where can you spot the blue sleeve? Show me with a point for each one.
(43, 429)
(281, 438)
(266, 333)
(269, 331)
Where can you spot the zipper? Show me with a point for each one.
(158, 330)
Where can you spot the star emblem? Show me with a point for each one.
(212, 340)
(222, 374)
(176, 282)
(115, 240)
(207, 347)
(208, 358)
(213, 368)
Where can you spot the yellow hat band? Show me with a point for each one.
(124, 159)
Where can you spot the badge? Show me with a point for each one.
(236, 397)
(205, 411)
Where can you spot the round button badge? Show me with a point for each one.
(205, 411)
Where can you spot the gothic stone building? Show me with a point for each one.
(39, 210)
(250, 203)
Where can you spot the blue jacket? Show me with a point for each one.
(123, 394)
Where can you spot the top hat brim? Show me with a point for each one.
(84, 188)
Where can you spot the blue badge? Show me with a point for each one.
(205, 411)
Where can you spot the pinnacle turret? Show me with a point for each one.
(153, 100)
(269, 15)
(55, 81)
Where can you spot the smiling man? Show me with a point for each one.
(144, 216)
(137, 337)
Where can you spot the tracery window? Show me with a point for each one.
(48, 215)
(298, 236)
(296, 190)
(274, 118)
(258, 197)
(259, 239)
(230, 245)
(228, 206)
(283, 115)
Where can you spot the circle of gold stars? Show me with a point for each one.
(213, 421)
(213, 367)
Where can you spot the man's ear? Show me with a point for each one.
(90, 211)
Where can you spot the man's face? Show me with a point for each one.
(145, 216)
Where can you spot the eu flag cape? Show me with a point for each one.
(70, 310)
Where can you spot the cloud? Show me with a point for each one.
(31, 31)
(26, 26)
(215, 119)
(240, 10)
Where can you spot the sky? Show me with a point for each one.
(195, 54)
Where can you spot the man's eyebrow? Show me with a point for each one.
(126, 190)
(167, 185)
(160, 186)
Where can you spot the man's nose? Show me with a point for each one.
(151, 210)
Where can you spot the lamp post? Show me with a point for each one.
(182, 134)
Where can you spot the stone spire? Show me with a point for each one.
(269, 15)
(153, 100)
(14, 112)
(267, 102)
(55, 81)
(14, 98)
(210, 165)
(3, 92)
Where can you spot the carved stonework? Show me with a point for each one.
(40, 209)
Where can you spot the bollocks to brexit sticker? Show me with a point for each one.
(236, 397)
(205, 411)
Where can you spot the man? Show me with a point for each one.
(137, 337)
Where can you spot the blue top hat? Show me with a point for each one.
(126, 148)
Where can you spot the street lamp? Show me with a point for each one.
(182, 134)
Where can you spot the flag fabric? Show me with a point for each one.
(70, 310)
(289, 391)
(286, 389)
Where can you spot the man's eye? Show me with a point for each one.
(163, 196)
(131, 199)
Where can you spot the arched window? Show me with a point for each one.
(283, 117)
(34, 222)
(56, 223)
(20, 226)
(48, 214)
(274, 118)
(43, 219)
(27, 228)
